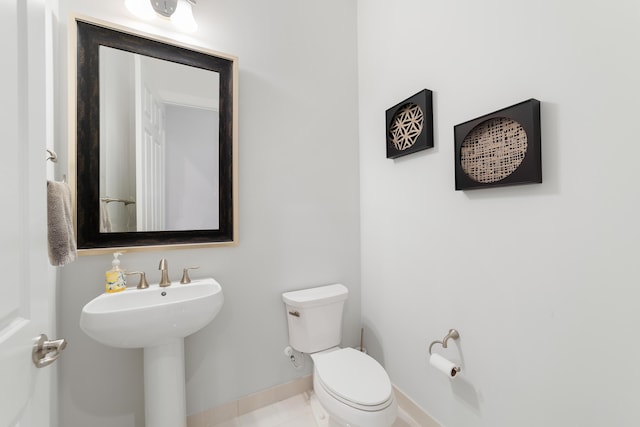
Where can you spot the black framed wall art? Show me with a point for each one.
(410, 125)
(499, 148)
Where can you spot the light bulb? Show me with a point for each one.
(141, 8)
(183, 17)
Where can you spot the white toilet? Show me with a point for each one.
(353, 388)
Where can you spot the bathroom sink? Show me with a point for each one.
(136, 318)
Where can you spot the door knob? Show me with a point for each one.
(46, 352)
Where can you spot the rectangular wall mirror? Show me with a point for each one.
(155, 145)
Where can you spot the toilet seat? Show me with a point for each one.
(354, 378)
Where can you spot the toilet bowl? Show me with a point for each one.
(353, 388)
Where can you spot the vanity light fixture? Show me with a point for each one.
(180, 12)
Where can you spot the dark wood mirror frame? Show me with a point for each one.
(89, 35)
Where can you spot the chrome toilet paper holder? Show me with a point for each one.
(453, 334)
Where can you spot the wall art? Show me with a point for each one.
(500, 148)
(410, 125)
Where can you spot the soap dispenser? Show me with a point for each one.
(116, 279)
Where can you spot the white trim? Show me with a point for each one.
(250, 403)
(412, 414)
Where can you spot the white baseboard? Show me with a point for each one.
(413, 414)
(410, 412)
(250, 403)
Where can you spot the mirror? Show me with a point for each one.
(158, 144)
(155, 141)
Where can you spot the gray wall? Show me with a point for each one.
(299, 208)
(540, 280)
(117, 111)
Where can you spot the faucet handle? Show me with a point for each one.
(143, 284)
(185, 275)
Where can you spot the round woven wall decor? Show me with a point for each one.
(493, 150)
(406, 126)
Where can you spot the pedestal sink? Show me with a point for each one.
(157, 320)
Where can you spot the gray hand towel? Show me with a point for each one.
(62, 242)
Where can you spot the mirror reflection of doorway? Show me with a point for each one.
(192, 174)
(150, 154)
(159, 160)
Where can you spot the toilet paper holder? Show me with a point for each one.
(453, 334)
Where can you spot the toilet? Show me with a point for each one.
(352, 387)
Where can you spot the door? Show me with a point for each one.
(27, 283)
(150, 151)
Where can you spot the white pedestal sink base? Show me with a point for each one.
(164, 385)
(156, 319)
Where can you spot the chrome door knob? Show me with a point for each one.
(46, 352)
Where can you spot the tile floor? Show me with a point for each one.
(294, 412)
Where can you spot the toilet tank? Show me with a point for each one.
(315, 317)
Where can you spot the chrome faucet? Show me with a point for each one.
(185, 274)
(164, 268)
(143, 284)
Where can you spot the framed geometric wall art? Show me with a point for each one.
(500, 148)
(410, 125)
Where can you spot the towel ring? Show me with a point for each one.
(453, 334)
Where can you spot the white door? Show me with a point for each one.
(26, 284)
(150, 151)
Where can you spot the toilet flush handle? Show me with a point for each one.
(295, 313)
